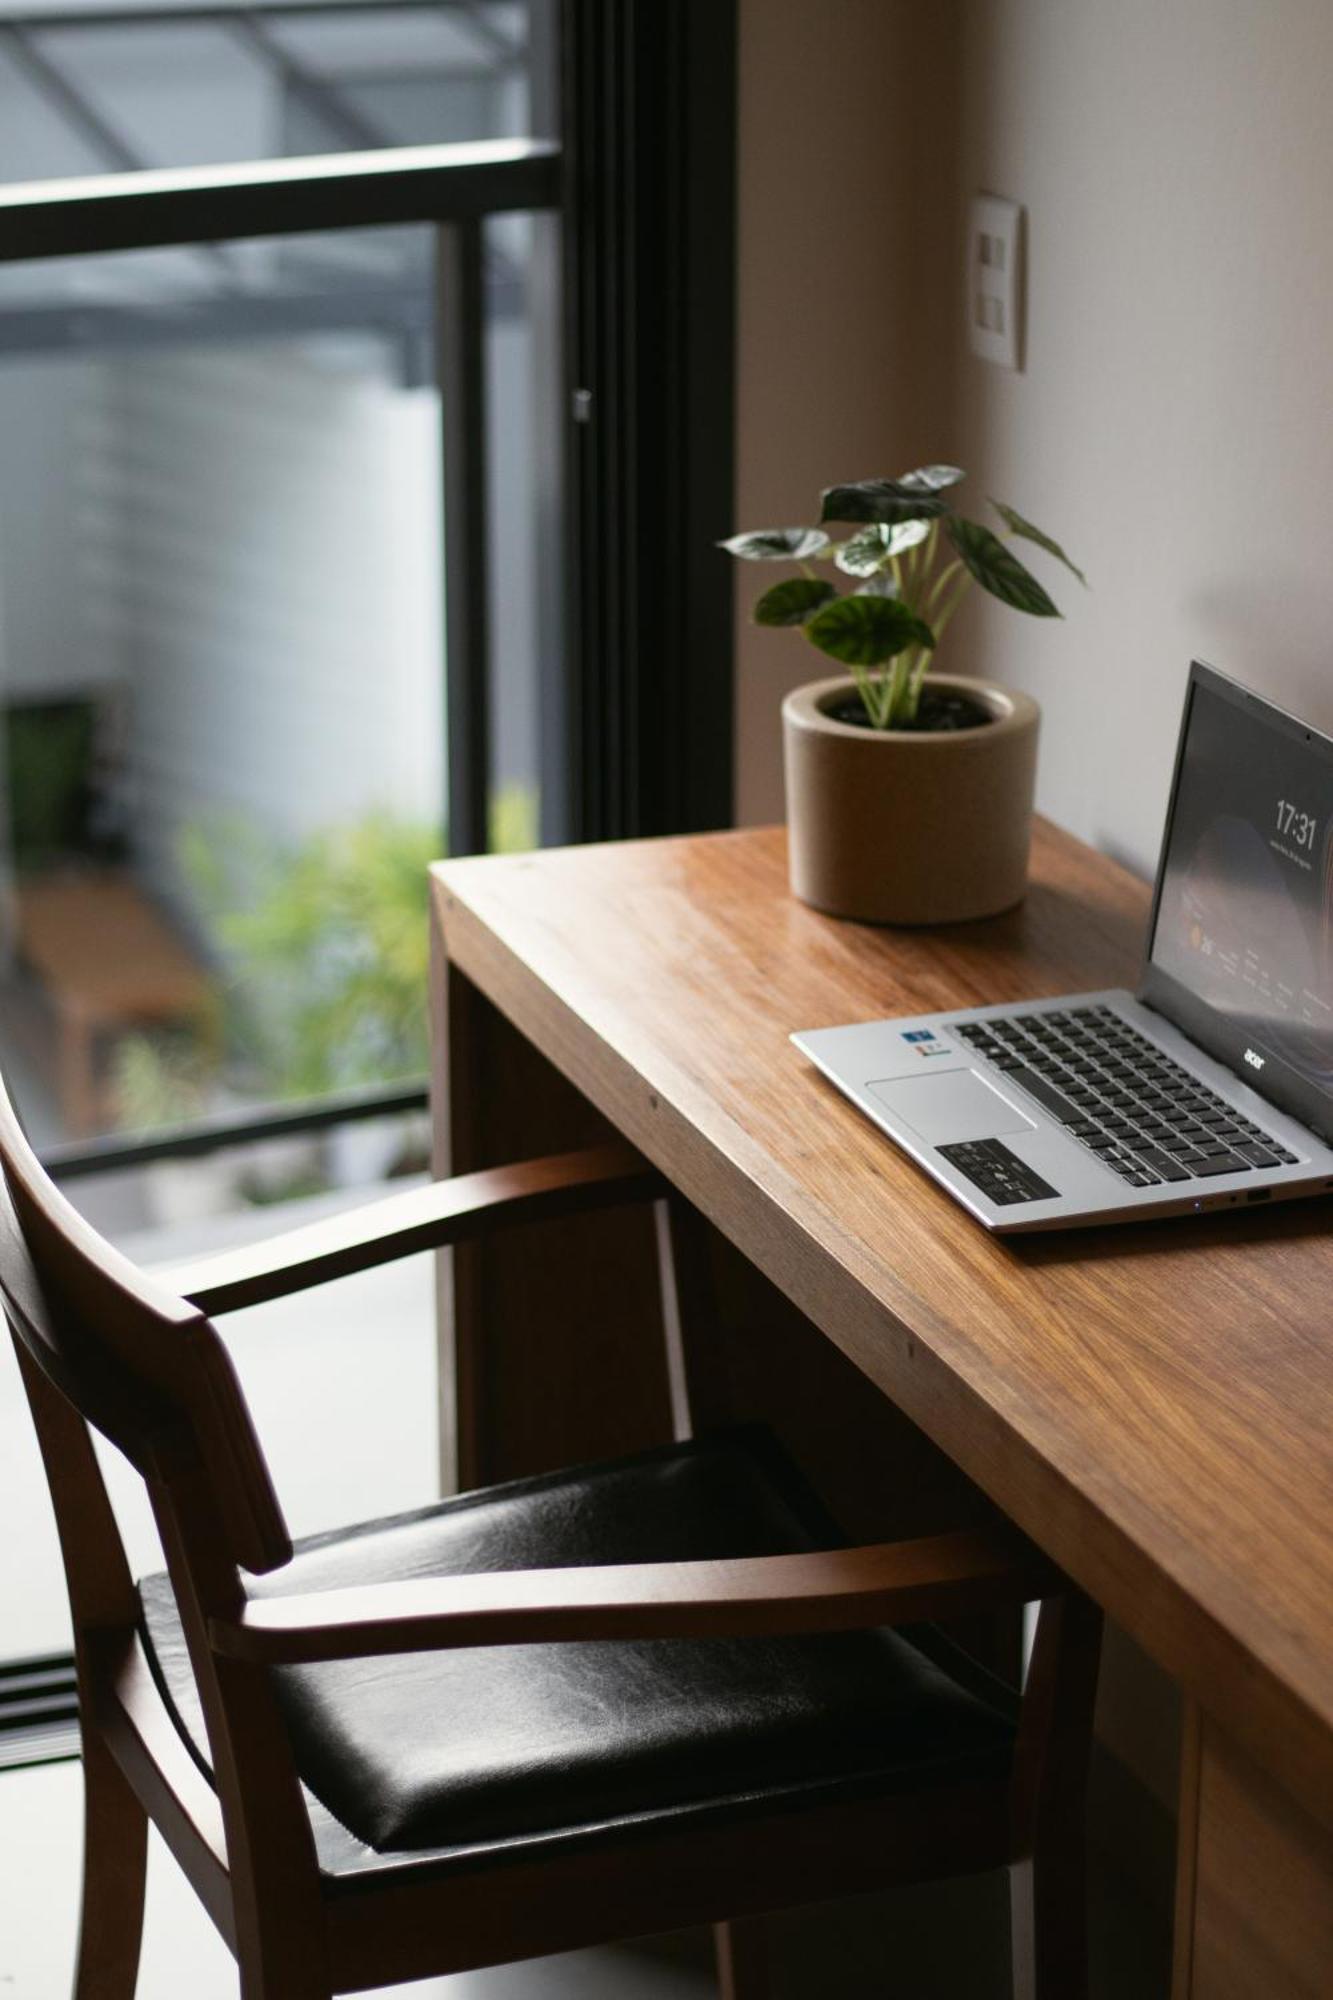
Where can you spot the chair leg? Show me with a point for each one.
(283, 1965)
(742, 1959)
(115, 1861)
(1047, 1886)
(1048, 1925)
(260, 1985)
(282, 1959)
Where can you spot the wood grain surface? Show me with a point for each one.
(1255, 1916)
(531, 1319)
(1151, 1403)
(831, 1590)
(420, 1218)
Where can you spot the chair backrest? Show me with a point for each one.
(143, 1367)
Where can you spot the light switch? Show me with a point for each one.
(995, 280)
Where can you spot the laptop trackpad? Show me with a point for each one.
(958, 1105)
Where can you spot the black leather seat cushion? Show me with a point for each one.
(427, 1750)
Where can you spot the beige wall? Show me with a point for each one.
(842, 291)
(1175, 420)
(1174, 425)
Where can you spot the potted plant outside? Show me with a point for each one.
(909, 792)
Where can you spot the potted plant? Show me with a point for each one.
(909, 792)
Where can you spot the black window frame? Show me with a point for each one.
(649, 141)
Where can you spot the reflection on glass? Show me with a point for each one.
(1245, 917)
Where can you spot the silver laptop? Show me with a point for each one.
(1212, 1087)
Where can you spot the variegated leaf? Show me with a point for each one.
(867, 631)
(880, 500)
(863, 552)
(932, 478)
(997, 569)
(1014, 521)
(792, 602)
(777, 544)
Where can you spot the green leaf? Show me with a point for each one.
(867, 631)
(880, 500)
(1014, 521)
(863, 553)
(777, 544)
(792, 602)
(881, 584)
(932, 478)
(997, 569)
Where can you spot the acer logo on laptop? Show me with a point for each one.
(1255, 1061)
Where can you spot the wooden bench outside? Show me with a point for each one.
(107, 959)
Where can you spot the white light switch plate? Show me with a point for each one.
(995, 277)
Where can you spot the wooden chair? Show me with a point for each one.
(591, 1706)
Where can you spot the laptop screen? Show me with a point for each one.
(1242, 937)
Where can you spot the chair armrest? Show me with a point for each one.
(944, 1576)
(425, 1218)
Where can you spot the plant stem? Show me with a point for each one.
(911, 572)
(917, 667)
(865, 687)
(927, 550)
(940, 624)
(937, 588)
(899, 682)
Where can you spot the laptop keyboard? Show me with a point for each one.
(1144, 1115)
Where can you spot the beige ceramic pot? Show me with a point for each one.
(909, 826)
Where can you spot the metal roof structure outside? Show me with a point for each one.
(111, 88)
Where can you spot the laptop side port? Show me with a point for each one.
(1260, 1194)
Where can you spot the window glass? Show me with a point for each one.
(223, 774)
(81, 94)
(221, 677)
(223, 737)
(528, 778)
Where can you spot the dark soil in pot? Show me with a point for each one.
(940, 709)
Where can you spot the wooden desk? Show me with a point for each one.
(1152, 1404)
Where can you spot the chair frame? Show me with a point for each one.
(102, 1345)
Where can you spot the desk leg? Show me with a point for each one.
(551, 1347)
(1254, 1901)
